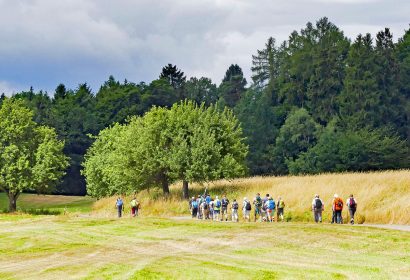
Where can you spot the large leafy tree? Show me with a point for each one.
(187, 143)
(31, 156)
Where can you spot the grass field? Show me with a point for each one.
(48, 204)
(68, 247)
(383, 197)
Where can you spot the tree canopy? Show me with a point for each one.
(31, 156)
(188, 142)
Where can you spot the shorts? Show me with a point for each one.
(247, 212)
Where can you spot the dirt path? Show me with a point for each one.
(395, 227)
(386, 226)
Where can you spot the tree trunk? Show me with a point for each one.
(165, 185)
(12, 202)
(185, 190)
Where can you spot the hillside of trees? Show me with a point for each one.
(317, 102)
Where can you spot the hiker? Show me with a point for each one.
(134, 207)
(246, 208)
(119, 204)
(211, 209)
(280, 211)
(264, 216)
(352, 206)
(270, 209)
(194, 207)
(205, 210)
(225, 202)
(199, 202)
(257, 202)
(208, 199)
(317, 208)
(217, 208)
(234, 210)
(338, 206)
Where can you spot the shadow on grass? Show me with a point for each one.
(33, 211)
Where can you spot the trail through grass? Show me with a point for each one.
(64, 247)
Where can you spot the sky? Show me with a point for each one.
(48, 42)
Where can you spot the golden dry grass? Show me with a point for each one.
(383, 197)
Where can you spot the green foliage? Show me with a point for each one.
(297, 135)
(187, 142)
(31, 157)
(232, 86)
(360, 150)
(201, 91)
(360, 98)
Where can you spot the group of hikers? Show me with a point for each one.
(134, 205)
(205, 207)
(337, 208)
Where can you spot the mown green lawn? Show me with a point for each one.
(69, 247)
(48, 204)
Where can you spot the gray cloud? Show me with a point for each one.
(45, 42)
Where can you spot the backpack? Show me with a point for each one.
(235, 205)
(225, 202)
(338, 204)
(258, 202)
(271, 204)
(194, 204)
(205, 206)
(218, 203)
(318, 203)
(248, 206)
(352, 203)
(281, 204)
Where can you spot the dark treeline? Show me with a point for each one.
(317, 103)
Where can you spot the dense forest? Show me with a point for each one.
(317, 102)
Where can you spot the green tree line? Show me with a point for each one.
(317, 102)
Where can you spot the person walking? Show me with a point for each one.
(338, 206)
(246, 208)
(280, 209)
(225, 203)
(134, 207)
(352, 206)
(257, 202)
(234, 211)
(194, 207)
(317, 208)
(270, 209)
(119, 204)
(217, 208)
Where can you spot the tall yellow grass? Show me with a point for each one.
(383, 197)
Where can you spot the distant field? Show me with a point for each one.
(49, 204)
(383, 197)
(67, 247)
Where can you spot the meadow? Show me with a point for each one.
(383, 197)
(66, 247)
(81, 238)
